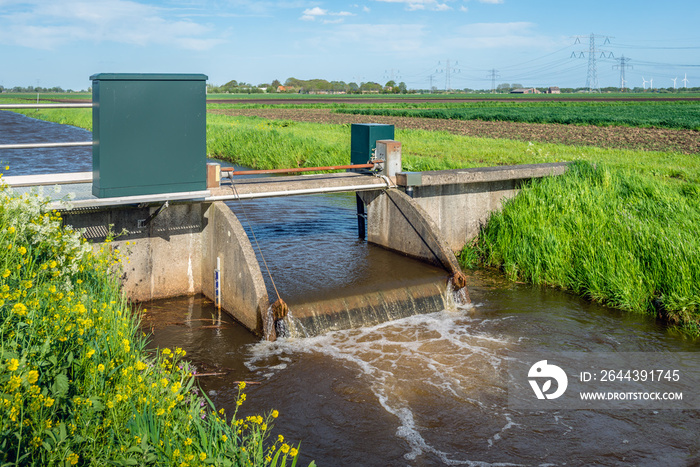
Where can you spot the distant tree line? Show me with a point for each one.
(35, 89)
(507, 88)
(311, 86)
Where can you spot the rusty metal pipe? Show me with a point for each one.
(232, 171)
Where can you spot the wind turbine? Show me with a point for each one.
(685, 80)
(674, 82)
(651, 83)
(644, 83)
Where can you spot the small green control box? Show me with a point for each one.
(149, 133)
(363, 140)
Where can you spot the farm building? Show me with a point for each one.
(525, 91)
(553, 90)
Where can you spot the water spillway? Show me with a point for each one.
(330, 278)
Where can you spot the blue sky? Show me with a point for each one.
(530, 42)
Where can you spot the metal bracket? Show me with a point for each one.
(142, 223)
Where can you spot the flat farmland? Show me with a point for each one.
(684, 141)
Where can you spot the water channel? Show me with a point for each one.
(423, 390)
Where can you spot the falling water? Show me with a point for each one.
(330, 278)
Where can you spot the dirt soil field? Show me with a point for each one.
(652, 139)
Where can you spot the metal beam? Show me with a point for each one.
(45, 145)
(45, 106)
(125, 200)
(48, 179)
(305, 191)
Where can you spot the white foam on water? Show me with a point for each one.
(444, 353)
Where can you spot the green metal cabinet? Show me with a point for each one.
(363, 140)
(149, 133)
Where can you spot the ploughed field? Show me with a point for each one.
(655, 139)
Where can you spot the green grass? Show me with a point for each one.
(615, 236)
(77, 385)
(265, 144)
(81, 118)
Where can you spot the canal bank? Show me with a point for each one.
(617, 237)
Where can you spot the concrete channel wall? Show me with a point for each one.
(243, 292)
(172, 251)
(460, 201)
(397, 223)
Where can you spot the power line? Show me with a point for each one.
(391, 76)
(494, 74)
(592, 77)
(622, 64)
(643, 47)
(448, 70)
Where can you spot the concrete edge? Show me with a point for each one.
(487, 174)
(243, 292)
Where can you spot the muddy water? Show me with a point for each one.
(431, 389)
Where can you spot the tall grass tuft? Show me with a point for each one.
(266, 144)
(77, 386)
(624, 239)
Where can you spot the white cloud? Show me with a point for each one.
(413, 5)
(46, 25)
(493, 2)
(310, 14)
(315, 11)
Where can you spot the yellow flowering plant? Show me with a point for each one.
(77, 383)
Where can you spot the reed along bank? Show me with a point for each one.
(621, 238)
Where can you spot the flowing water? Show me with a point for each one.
(421, 390)
(325, 273)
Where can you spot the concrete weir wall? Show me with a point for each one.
(396, 222)
(460, 201)
(243, 292)
(173, 250)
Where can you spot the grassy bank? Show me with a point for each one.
(81, 118)
(77, 386)
(620, 238)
